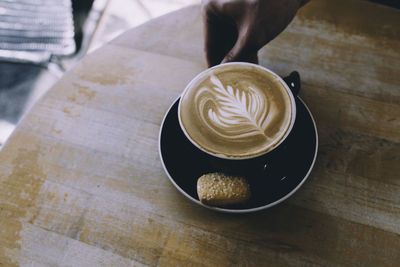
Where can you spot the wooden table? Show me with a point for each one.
(81, 182)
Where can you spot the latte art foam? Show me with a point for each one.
(235, 114)
(236, 110)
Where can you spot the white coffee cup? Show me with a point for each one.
(245, 109)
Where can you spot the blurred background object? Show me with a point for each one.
(36, 38)
(33, 31)
(41, 39)
(122, 15)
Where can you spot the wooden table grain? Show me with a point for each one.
(81, 182)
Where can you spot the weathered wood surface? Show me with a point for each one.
(81, 182)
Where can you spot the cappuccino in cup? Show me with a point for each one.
(237, 111)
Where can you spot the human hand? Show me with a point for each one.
(236, 29)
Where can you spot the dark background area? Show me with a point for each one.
(392, 3)
(81, 10)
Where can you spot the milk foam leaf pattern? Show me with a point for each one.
(237, 113)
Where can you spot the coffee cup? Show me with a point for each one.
(239, 114)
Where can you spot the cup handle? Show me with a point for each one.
(293, 81)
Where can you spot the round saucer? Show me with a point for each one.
(288, 166)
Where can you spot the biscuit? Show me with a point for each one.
(219, 189)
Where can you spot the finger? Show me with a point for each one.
(219, 39)
(243, 50)
(219, 35)
(251, 58)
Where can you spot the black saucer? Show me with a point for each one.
(288, 166)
